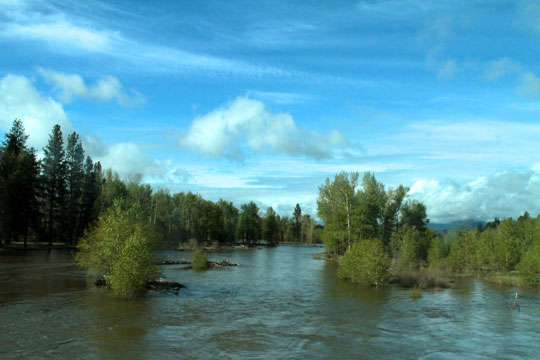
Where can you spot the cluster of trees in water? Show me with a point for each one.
(378, 234)
(58, 197)
(501, 246)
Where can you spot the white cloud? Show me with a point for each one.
(223, 132)
(126, 158)
(506, 194)
(107, 88)
(20, 99)
(62, 33)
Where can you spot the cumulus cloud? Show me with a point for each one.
(506, 194)
(20, 99)
(107, 88)
(127, 158)
(247, 121)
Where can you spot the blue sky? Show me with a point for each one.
(262, 100)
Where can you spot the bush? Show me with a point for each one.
(199, 260)
(529, 267)
(120, 247)
(365, 263)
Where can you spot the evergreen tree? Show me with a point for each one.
(54, 182)
(75, 179)
(297, 216)
(19, 184)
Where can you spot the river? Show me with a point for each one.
(280, 303)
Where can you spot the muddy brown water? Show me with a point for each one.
(280, 303)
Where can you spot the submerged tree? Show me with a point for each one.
(366, 263)
(121, 248)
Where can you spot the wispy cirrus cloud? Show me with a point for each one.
(25, 21)
(107, 88)
(528, 82)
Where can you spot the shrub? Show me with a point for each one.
(199, 260)
(120, 247)
(365, 263)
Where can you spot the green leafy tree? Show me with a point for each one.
(436, 252)
(507, 245)
(406, 244)
(335, 206)
(529, 266)
(270, 227)
(249, 223)
(229, 220)
(370, 210)
(414, 213)
(392, 207)
(463, 252)
(121, 248)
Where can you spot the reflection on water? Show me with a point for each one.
(279, 303)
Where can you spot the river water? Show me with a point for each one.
(280, 303)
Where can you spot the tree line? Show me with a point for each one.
(57, 197)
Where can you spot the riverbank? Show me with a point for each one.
(36, 246)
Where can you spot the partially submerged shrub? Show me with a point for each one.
(120, 247)
(365, 263)
(199, 260)
(415, 293)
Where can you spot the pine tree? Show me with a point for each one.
(75, 179)
(297, 215)
(54, 181)
(19, 174)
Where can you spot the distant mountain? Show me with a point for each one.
(460, 224)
